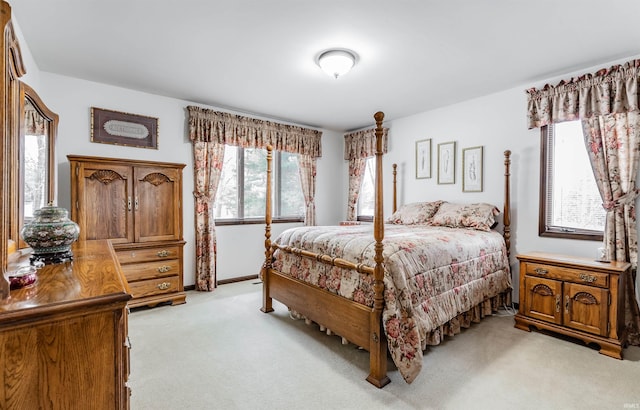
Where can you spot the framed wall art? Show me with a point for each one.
(121, 128)
(472, 169)
(423, 159)
(447, 163)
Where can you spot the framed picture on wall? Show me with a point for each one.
(423, 159)
(447, 163)
(121, 128)
(472, 169)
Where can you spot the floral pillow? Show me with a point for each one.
(477, 216)
(414, 213)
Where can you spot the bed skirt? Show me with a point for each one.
(451, 328)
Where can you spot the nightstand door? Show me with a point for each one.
(585, 308)
(543, 299)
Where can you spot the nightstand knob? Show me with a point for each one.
(541, 271)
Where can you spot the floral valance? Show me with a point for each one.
(362, 144)
(225, 128)
(612, 90)
(34, 123)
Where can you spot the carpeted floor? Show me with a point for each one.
(219, 351)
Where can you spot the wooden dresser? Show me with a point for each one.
(63, 340)
(574, 296)
(138, 206)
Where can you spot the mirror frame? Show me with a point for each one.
(11, 69)
(28, 93)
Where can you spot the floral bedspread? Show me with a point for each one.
(432, 274)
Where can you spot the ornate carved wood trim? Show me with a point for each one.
(105, 176)
(586, 298)
(156, 178)
(543, 290)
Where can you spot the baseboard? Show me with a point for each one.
(239, 279)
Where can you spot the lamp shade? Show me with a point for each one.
(336, 62)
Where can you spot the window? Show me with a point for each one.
(570, 203)
(367, 197)
(242, 189)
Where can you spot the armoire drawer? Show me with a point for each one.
(126, 256)
(155, 286)
(151, 270)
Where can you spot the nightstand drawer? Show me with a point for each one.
(541, 270)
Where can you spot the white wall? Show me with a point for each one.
(241, 248)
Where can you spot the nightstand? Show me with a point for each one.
(574, 296)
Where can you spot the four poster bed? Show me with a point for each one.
(397, 297)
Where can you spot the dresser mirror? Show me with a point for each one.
(38, 128)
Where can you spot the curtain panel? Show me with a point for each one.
(358, 146)
(225, 128)
(608, 91)
(34, 123)
(208, 158)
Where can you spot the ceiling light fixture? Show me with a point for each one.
(336, 62)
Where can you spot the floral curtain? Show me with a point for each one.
(357, 166)
(613, 144)
(209, 131)
(607, 104)
(34, 123)
(208, 158)
(608, 91)
(231, 129)
(358, 146)
(307, 167)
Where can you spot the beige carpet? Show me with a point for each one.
(218, 351)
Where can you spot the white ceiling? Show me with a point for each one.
(257, 56)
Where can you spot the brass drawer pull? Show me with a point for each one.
(566, 303)
(588, 278)
(541, 271)
(164, 285)
(163, 269)
(558, 298)
(163, 253)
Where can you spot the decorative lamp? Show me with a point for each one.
(336, 62)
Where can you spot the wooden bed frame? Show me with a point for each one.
(357, 323)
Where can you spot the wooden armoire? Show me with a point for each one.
(138, 206)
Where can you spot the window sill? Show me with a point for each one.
(577, 234)
(228, 222)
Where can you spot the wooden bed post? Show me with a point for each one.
(395, 187)
(378, 343)
(507, 202)
(266, 298)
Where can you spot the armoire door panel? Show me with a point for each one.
(107, 197)
(156, 204)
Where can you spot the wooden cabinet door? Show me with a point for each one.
(104, 207)
(158, 193)
(585, 308)
(543, 299)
